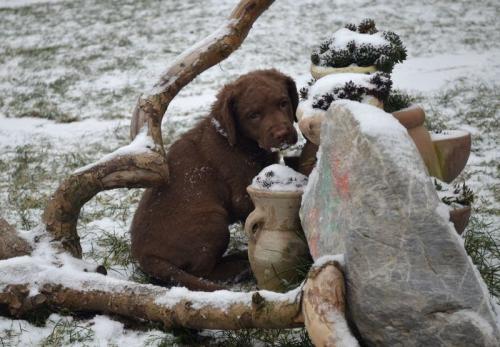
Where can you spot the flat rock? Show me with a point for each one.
(409, 279)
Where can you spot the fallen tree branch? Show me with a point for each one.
(52, 280)
(58, 288)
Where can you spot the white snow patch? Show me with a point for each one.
(279, 178)
(342, 333)
(329, 82)
(448, 134)
(342, 37)
(106, 329)
(443, 211)
(188, 103)
(142, 143)
(20, 131)
(430, 74)
(220, 299)
(22, 3)
(373, 120)
(339, 258)
(218, 127)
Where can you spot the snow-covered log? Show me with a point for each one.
(143, 163)
(54, 280)
(175, 307)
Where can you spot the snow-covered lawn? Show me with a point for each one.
(71, 72)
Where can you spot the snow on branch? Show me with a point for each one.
(142, 144)
(28, 283)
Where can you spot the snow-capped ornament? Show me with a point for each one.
(316, 99)
(357, 49)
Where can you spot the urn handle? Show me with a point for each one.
(254, 223)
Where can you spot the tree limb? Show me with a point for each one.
(60, 216)
(58, 288)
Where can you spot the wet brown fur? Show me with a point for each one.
(180, 230)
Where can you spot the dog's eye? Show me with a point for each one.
(284, 103)
(254, 115)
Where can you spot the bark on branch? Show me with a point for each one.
(324, 307)
(149, 168)
(176, 307)
(63, 209)
(63, 282)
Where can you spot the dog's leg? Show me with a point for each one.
(164, 271)
(233, 267)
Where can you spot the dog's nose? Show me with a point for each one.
(281, 134)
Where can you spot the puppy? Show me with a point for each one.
(180, 230)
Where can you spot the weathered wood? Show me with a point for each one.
(175, 307)
(323, 307)
(63, 209)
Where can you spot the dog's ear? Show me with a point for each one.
(292, 94)
(291, 88)
(223, 111)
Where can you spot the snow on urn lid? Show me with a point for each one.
(279, 178)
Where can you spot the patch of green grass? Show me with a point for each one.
(112, 249)
(62, 84)
(27, 169)
(265, 337)
(435, 123)
(37, 103)
(160, 340)
(38, 53)
(474, 104)
(482, 244)
(68, 331)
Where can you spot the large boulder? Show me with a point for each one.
(409, 279)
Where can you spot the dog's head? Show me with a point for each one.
(259, 106)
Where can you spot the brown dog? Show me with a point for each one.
(180, 230)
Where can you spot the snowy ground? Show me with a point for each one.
(71, 71)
